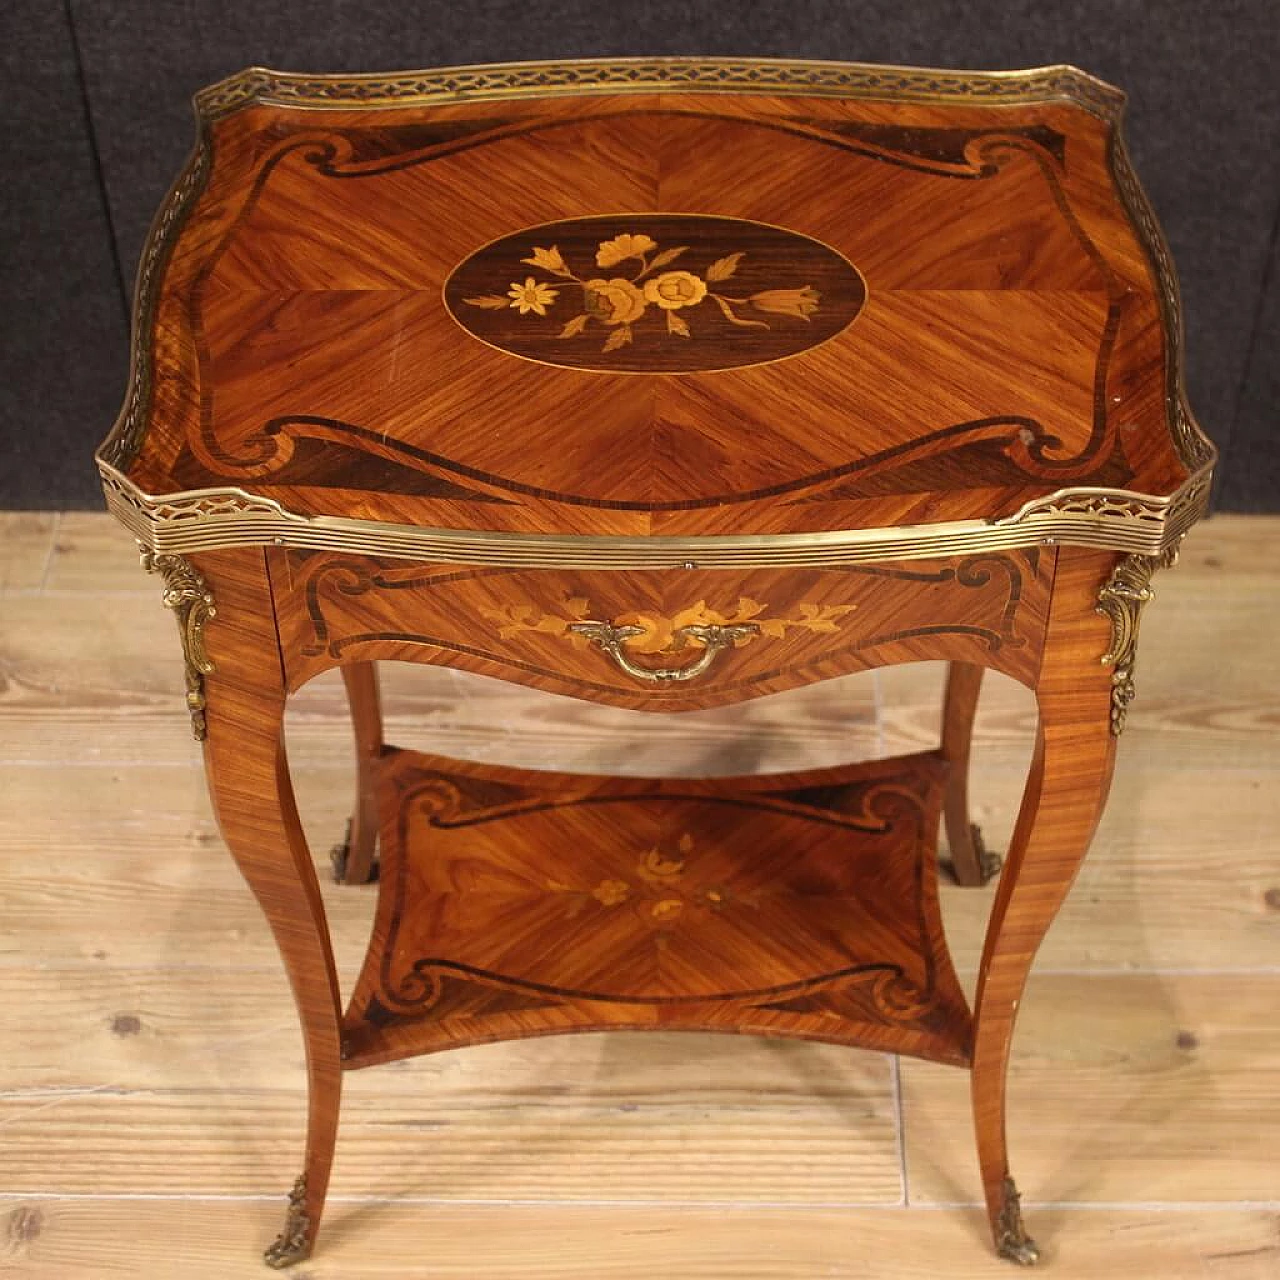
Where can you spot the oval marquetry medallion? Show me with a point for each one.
(655, 293)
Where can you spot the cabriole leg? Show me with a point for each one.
(249, 784)
(1066, 791)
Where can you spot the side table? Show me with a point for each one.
(664, 384)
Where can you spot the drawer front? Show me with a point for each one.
(672, 639)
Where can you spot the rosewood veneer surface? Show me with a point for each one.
(664, 384)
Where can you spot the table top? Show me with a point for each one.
(652, 312)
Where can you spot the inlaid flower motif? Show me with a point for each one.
(674, 289)
(620, 248)
(663, 886)
(657, 633)
(610, 893)
(618, 302)
(532, 296)
(549, 260)
(615, 301)
(787, 302)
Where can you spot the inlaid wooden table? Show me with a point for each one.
(662, 384)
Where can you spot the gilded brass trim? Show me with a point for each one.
(292, 1245)
(1012, 1241)
(187, 594)
(214, 519)
(1192, 445)
(1122, 599)
(124, 442)
(713, 638)
(206, 519)
(263, 86)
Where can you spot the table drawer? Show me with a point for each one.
(672, 639)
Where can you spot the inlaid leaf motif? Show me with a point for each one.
(575, 326)
(723, 268)
(618, 338)
(676, 325)
(489, 301)
(666, 256)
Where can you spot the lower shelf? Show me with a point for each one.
(516, 903)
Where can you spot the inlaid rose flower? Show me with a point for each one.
(616, 301)
(674, 289)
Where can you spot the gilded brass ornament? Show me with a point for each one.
(187, 594)
(712, 637)
(1012, 1241)
(214, 519)
(1122, 598)
(261, 85)
(291, 1244)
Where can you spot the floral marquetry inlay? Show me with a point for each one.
(657, 888)
(662, 633)
(666, 293)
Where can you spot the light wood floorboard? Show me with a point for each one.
(151, 1076)
(217, 1240)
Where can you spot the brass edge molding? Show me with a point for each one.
(1121, 599)
(484, 82)
(188, 595)
(124, 440)
(291, 1244)
(1193, 447)
(214, 519)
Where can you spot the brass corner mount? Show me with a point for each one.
(1121, 599)
(188, 595)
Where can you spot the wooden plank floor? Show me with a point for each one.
(151, 1079)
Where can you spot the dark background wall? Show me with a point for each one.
(98, 123)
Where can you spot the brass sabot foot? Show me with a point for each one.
(1026, 1253)
(293, 1244)
(1012, 1241)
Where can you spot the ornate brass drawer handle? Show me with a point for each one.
(713, 637)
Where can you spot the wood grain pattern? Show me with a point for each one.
(970, 863)
(78, 1240)
(796, 904)
(311, 376)
(353, 859)
(1066, 791)
(812, 624)
(252, 796)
